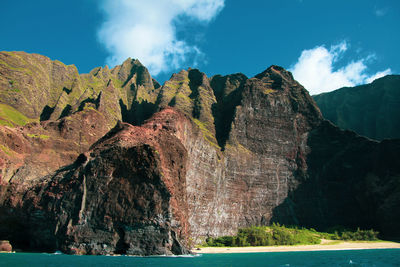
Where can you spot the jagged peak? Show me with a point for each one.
(128, 64)
(178, 76)
(100, 69)
(193, 76)
(218, 78)
(95, 71)
(131, 61)
(277, 78)
(274, 70)
(229, 76)
(133, 68)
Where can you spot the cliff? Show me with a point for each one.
(371, 110)
(193, 158)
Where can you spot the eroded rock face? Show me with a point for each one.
(127, 195)
(351, 181)
(37, 149)
(5, 246)
(217, 154)
(261, 160)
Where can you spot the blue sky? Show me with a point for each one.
(327, 44)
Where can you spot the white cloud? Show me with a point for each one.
(315, 69)
(146, 30)
(379, 75)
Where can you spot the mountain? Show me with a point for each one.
(371, 110)
(111, 162)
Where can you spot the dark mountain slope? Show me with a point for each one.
(371, 110)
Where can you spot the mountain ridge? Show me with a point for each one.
(194, 158)
(371, 110)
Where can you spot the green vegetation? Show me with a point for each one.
(238, 147)
(176, 84)
(92, 82)
(117, 82)
(41, 136)
(10, 116)
(267, 91)
(15, 60)
(14, 90)
(364, 235)
(207, 134)
(6, 150)
(277, 235)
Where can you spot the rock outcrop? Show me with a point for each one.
(5, 246)
(194, 158)
(126, 195)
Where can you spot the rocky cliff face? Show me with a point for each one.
(371, 110)
(5, 246)
(350, 181)
(206, 156)
(126, 195)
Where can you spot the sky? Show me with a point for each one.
(325, 44)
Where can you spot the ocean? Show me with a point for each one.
(365, 258)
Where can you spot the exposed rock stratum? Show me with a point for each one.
(111, 162)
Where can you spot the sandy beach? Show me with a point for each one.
(325, 245)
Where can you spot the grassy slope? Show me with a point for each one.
(9, 116)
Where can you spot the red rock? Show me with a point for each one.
(5, 246)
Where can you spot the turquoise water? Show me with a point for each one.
(381, 257)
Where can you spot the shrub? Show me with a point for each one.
(281, 235)
(266, 236)
(364, 235)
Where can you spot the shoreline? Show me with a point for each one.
(318, 247)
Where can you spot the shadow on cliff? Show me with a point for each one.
(46, 113)
(350, 182)
(32, 226)
(195, 81)
(138, 113)
(224, 110)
